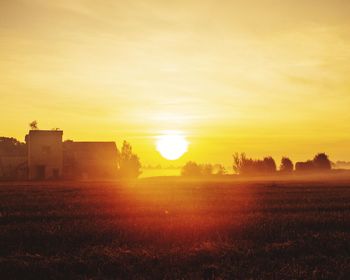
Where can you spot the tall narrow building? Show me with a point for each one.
(45, 154)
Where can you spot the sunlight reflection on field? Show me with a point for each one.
(190, 207)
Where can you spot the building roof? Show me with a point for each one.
(36, 131)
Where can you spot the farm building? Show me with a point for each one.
(48, 157)
(45, 154)
(90, 160)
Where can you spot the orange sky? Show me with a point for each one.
(265, 77)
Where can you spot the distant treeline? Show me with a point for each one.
(10, 146)
(243, 165)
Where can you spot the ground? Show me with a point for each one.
(175, 229)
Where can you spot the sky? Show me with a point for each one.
(261, 76)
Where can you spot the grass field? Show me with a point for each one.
(174, 229)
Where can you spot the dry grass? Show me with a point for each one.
(174, 229)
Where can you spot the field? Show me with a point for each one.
(175, 229)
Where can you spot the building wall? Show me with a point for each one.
(45, 154)
(90, 160)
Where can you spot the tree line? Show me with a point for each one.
(244, 165)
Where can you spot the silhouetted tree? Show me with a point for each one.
(244, 165)
(206, 169)
(269, 165)
(33, 125)
(286, 165)
(191, 169)
(306, 166)
(238, 161)
(129, 163)
(12, 147)
(322, 162)
(219, 169)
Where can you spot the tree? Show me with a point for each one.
(129, 163)
(219, 169)
(286, 165)
(12, 147)
(322, 162)
(268, 165)
(191, 169)
(207, 169)
(33, 125)
(306, 166)
(244, 165)
(239, 160)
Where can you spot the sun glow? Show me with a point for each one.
(171, 145)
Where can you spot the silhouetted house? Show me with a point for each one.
(45, 154)
(90, 160)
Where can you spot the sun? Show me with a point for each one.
(171, 145)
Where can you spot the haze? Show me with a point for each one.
(264, 77)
